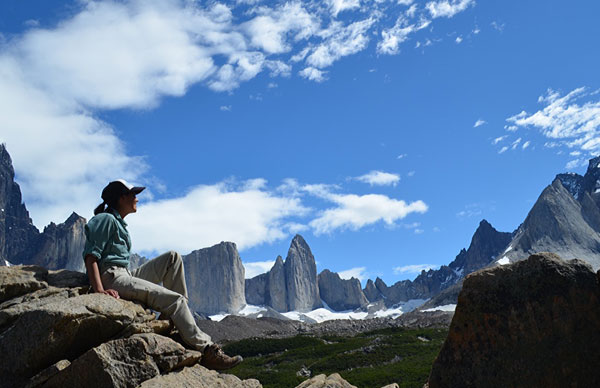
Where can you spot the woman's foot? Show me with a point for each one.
(215, 358)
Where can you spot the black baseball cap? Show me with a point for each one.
(115, 189)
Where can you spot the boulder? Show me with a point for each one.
(341, 294)
(534, 323)
(19, 280)
(215, 279)
(125, 362)
(64, 329)
(322, 381)
(199, 377)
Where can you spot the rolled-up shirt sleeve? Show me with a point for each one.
(98, 231)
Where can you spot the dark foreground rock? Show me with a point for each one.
(531, 324)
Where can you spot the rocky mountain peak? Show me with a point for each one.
(341, 294)
(572, 182)
(591, 179)
(18, 235)
(301, 277)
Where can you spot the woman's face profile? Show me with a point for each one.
(128, 204)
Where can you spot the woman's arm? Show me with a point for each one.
(91, 264)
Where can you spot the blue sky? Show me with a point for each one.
(382, 131)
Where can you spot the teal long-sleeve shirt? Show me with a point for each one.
(107, 238)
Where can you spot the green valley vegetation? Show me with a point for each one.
(372, 359)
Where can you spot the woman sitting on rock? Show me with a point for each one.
(106, 256)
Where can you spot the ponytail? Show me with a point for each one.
(100, 208)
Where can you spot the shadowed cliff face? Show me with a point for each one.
(59, 246)
(18, 235)
(534, 323)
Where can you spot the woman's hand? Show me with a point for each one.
(110, 292)
(91, 264)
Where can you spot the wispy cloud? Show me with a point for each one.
(358, 273)
(571, 120)
(499, 139)
(479, 123)
(379, 178)
(412, 269)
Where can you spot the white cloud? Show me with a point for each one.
(338, 6)
(270, 30)
(572, 120)
(399, 33)
(415, 268)
(447, 8)
(573, 164)
(419, 231)
(313, 74)
(225, 108)
(458, 40)
(256, 268)
(356, 211)
(515, 143)
(479, 123)
(63, 157)
(526, 144)
(379, 178)
(340, 41)
(503, 150)
(411, 173)
(358, 273)
(115, 55)
(401, 156)
(248, 215)
(499, 139)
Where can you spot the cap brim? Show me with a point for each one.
(137, 189)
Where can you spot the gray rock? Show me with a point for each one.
(559, 223)
(276, 293)
(19, 280)
(371, 292)
(322, 381)
(47, 373)
(340, 294)
(18, 235)
(301, 277)
(64, 329)
(534, 323)
(215, 279)
(61, 246)
(125, 362)
(199, 377)
(255, 289)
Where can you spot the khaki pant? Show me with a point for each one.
(170, 300)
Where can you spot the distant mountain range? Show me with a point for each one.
(565, 220)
